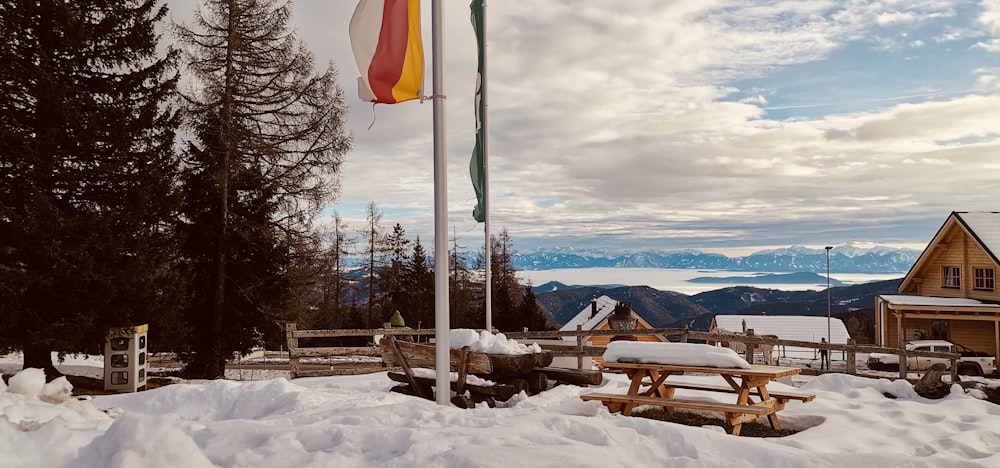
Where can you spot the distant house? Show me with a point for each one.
(595, 317)
(787, 327)
(950, 293)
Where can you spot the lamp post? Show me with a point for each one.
(828, 248)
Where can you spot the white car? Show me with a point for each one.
(970, 362)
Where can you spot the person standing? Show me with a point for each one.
(824, 356)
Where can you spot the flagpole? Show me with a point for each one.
(442, 319)
(486, 187)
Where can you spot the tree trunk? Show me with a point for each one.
(40, 357)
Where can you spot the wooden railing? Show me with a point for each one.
(578, 348)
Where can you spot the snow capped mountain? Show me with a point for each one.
(844, 259)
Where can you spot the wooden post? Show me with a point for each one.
(579, 348)
(293, 348)
(463, 370)
(749, 346)
(851, 356)
(954, 370)
(684, 334)
(902, 363)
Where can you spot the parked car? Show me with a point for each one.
(970, 362)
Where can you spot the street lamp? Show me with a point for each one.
(828, 248)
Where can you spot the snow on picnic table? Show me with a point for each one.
(355, 421)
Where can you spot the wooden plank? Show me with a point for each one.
(773, 372)
(758, 409)
(402, 360)
(419, 355)
(344, 371)
(498, 391)
(572, 376)
(463, 369)
(336, 351)
(804, 397)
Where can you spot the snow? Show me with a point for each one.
(681, 354)
(355, 421)
(898, 299)
(486, 342)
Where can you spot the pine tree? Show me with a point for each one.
(420, 284)
(268, 144)
(392, 275)
(87, 174)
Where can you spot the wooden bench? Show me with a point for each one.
(779, 395)
(614, 398)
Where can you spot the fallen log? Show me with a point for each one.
(422, 355)
(500, 391)
(582, 377)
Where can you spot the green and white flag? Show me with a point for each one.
(477, 167)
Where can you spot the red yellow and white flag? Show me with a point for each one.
(385, 37)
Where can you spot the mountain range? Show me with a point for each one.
(667, 309)
(843, 259)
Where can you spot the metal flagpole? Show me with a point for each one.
(486, 186)
(442, 319)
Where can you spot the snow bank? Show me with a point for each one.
(486, 342)
(681, 354)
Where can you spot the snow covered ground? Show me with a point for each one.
(354, 421)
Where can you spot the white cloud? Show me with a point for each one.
(621, 115)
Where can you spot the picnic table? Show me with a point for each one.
(650, 385)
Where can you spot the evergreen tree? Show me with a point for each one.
(420, 284)
(392, 276)
(505, 288)
(529, 314)
(268, 143)
(462, 300)
(87, 175)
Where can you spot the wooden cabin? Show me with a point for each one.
(595, 317)
(951, 292)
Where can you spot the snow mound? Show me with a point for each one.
(57, 391)
(486, 342)
(147, 441)
(28, 382)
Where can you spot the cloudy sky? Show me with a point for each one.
(663, 124)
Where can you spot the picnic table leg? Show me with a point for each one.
(773, 417)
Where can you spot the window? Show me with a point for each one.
(984, 279)
(119, 344)
(119, 360)
(952, 277)
(119, 378)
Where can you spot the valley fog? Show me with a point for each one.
(676, 279)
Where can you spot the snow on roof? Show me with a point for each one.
(934, 301)
(986, 226)
(786, 327)
(605, 305)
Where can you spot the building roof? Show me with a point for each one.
(605, 305)
(984, 227)
(786, 327)
(934, 301)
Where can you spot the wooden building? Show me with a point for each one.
(951, 292)
(595, 317)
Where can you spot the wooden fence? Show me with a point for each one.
(575, 348)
